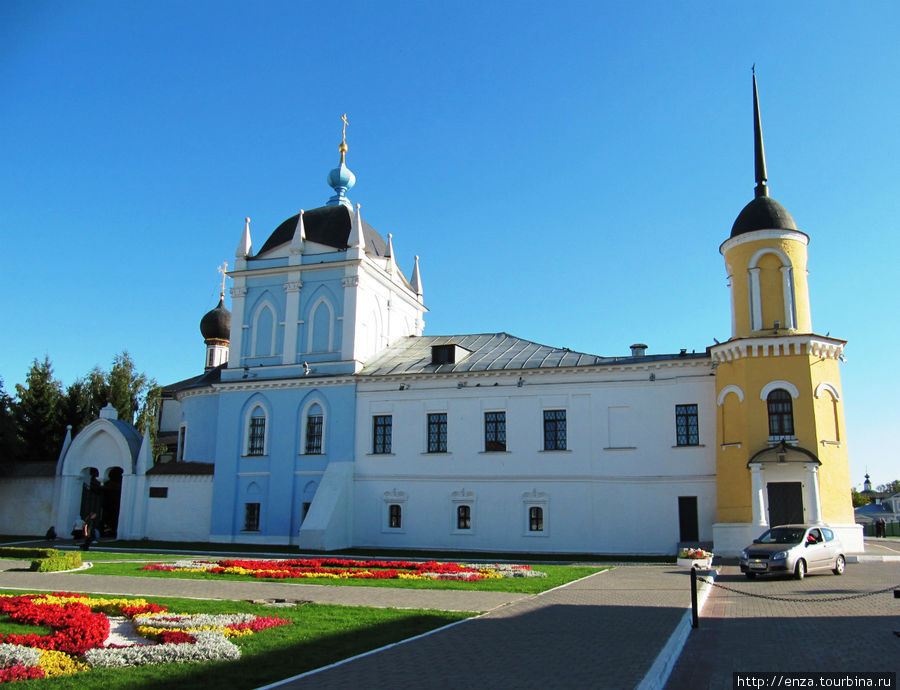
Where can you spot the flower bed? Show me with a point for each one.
(691, 557)
(341, 569)
(81, 631)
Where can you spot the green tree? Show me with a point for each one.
(127, 387)
(858, 499)
(38, 413)
(9, 441)
(890, 488)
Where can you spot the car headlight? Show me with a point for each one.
(744, 555)
(780, 556)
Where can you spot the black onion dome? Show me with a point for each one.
(328, 225)
(216, 324)
(763, 213)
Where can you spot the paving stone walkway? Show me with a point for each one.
(742, 631)
(604, 631)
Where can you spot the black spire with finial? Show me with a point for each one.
(763, 213)
(759, 150)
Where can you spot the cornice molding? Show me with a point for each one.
(757, 235)
(778, 346)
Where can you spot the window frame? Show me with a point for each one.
(436, 433)
(257, 436)
(314, 442)
(385, 424)
(777, 418)
(395, 516)
(555, 423)
(464, 517)
(497, 427)
(252, 517)
(683, 414)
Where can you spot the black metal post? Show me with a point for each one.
(695, 618)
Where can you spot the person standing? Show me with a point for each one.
(89, 526)
(77, 529)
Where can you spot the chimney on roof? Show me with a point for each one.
(638, 350)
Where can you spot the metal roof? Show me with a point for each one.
(489, 352)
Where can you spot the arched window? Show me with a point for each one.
(315, 424)
(321, 333)
(463, 517)
(781, 413)
(256, 432)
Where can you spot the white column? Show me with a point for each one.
(348, 331)
(815, 507)
(755, 300)
(758, 503)
(291, 318)
(238, 293)
(790, 310)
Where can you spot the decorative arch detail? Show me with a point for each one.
(773, 385)
(825, 386)
(320, 336)
(263, 339)
(730, 389)
(787, 289)
(256, 435)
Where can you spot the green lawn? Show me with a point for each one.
(320, 635)
(556, 575)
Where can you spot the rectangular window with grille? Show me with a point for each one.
(381, 435)
(314, 434)
(494, 432)
(463, 517)
(395, 516)
(687, 426)
(256, 444)
(437, 432)
(554, 429)
(251, 517)
(535, 519)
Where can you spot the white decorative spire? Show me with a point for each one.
(391, 266)
(356, 238)
(416, 282)
(145, 454)
(245, 245)
(299, 237)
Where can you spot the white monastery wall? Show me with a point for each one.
(184, 514)
(26, 506)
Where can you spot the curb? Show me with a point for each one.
(658, 674)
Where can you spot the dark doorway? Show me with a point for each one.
(112, 496)
(688, 524)
(785, 503)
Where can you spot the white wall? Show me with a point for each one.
(26, 507)
(184, 515)
(596, 498)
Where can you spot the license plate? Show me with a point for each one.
(757, 566)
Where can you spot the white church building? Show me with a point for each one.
(326, 419)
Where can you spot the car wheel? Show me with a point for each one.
(800, 570)
(839, 565)
(750, 576)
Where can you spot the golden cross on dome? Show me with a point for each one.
(224, 271)
(344, 130)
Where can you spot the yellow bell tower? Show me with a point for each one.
(781, 453)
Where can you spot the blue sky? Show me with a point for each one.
(565, 172)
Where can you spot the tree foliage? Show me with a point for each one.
(43, 409)
(38, 413)
(891, 487)
(9, 441)
(859, 500)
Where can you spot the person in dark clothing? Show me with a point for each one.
(89, 526)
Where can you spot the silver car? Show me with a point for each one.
(794, 550)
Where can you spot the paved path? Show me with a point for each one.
(604, 631)
(746, 633)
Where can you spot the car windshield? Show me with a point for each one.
(782, 535)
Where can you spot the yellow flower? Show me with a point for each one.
(59, 664)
